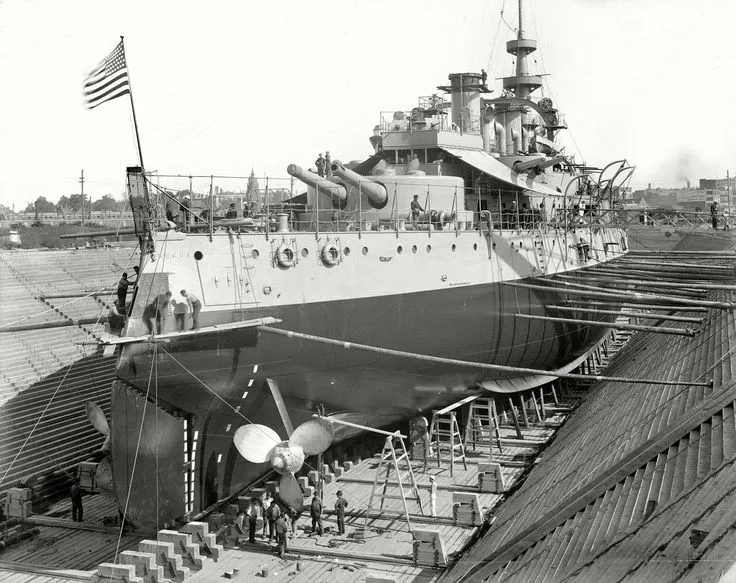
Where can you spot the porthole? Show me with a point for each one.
(254, 254)
(305, 252)
(365, 250)
(399, 249)
(475, 246)
(429, 248)
(454, 247)
(198, 255)
(414, 249)
(346, 251)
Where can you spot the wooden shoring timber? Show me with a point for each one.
(682, 253)
(691, 276)
(693, 294)
(673, 266)
(623, 295)
(701, 266)
(645, 315)
(614, 325)
(659, 308)
(653, 283)
(471, 364)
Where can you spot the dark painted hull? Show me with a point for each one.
(225, 372)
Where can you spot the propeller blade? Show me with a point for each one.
(281, 406)
(313, 436)
(97, 418)
(255, 442)
(291, 493)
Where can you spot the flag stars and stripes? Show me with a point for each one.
(108, 80)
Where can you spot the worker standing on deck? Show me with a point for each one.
(713, 215)
(328, 165)
(123, 289)
(340, 505)
(432, 497)
(416, 208)
(253, 512)
(281, 530)
(273, 514)
(320, 164)
(232, 212)
(315, 509)
(194, 308)
(75, 492)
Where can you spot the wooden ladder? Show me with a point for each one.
(444, 433)
(391, 456)
(482, 426)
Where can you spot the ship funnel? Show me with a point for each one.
(336, 191)
(375, 192)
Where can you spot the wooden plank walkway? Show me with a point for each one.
(66, 551)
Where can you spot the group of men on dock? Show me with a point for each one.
(278, 519)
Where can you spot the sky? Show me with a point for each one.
(227, 86)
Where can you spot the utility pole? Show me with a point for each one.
(81, 182)
(728, 191)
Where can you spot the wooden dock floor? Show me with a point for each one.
(68, 551)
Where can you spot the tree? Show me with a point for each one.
(43, 206)
(106, 203)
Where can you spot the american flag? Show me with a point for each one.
(107, 80)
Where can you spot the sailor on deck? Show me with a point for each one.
(416, 208)
(320, 164)
(232, 212)
(194, 307)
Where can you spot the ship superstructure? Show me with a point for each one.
(412, 254)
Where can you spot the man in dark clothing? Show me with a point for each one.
(416, 208)
(315, 510)
(157, 309)
(281, 535)
(713, 215)
(76, 495)
(273, 514)
(340, 505)
(253, 513)
(232, 212)
(123, 289)
(320, 164)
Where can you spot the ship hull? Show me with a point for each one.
(218, 383)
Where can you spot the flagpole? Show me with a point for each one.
(132, 107)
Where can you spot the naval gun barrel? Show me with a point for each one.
(375, 192)
(551, 162)
(337, 192)
(536, 163)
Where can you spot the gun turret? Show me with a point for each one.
(375, 192)
(337, 192)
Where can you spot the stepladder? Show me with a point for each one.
(481, 429)
(446, 439)
(394, 459)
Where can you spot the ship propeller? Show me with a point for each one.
(259, 443)
(97, 418)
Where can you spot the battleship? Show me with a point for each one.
(398, 286)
